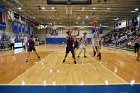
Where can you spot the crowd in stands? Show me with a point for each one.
(123, 36)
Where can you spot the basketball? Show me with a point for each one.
(94, 23)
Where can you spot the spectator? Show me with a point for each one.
(12, 41)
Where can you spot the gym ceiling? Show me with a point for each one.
(106, 12)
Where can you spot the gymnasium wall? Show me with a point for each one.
(8, 30)
(60, 38)
(44, 34)
(9, 24)
(9, 20)
(41, 34)
(5, 18)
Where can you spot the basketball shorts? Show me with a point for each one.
(70, 49)
(31, 49)
(137, 46)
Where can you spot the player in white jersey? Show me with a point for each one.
(95, 42)
(96, 45)
(83, 43)
(25, 39)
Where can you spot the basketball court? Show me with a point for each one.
(51, 69)
(55, 24)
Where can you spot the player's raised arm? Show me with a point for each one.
(77, 33)
(67, 37)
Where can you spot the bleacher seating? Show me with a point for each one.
(121, 37)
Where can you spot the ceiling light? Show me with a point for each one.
(87, 17)
(78, 17)
(33, 17)
(19, 8)
(136, 9)
(108, 8)
(58, 18)
(94, 8)
(116, 19)
(132, 11)
(53, 8)
(42, 8)
(83, 9)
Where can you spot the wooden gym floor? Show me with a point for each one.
(116, 67)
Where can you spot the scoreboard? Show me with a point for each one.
(69, 2)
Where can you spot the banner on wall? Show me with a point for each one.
(31, 30)
(2, 9)
(15, 27)
(16, 15)
(19, 27)
(2, 25)
(4, 16)
(26, 29)
(22, 28)
(54, 31)
(22, 18)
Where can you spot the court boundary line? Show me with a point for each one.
(69, 84)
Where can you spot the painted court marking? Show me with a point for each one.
(74, 73)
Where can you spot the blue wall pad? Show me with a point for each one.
(2, 9)
(59, 40)
(2, 25)
(71, 89)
